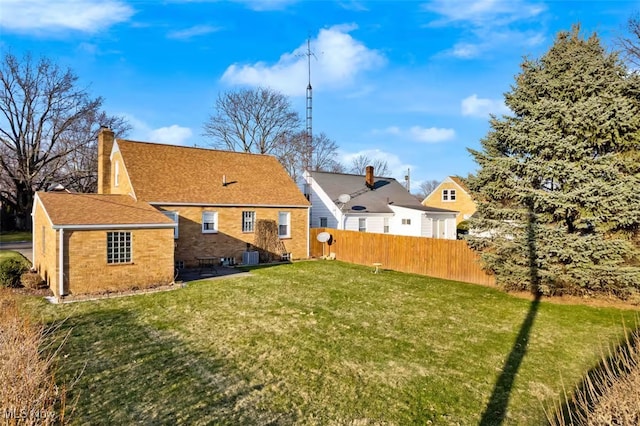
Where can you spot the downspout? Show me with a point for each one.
(33, 246)
(61, 266)
(308, 232)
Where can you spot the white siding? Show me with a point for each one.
(427, 229)
(397, 227)
(444, 226)
(323, 206)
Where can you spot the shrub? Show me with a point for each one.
(10, 271)
(31, 280)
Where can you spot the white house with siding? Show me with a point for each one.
(375, 204)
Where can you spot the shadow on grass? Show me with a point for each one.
(496, 409)
(133, 373)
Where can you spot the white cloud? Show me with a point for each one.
(338, 59)
(482, 12)
(488, 24)
(197, 30)
(431, 134)
(421, 134)
(46, 15)
(481, 107)
(397, 167)
(173, 135)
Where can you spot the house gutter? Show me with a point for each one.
(281, 206)
(116, 226)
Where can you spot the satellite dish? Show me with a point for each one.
(344, 198)
(323, 237)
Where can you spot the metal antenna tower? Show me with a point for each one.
(309, 134)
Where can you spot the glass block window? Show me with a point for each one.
(118, 247)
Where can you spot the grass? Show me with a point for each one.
(15, 236)
(10, 254)
(325, 343)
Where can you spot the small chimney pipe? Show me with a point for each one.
(369, 177)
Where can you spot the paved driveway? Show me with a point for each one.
(24, 247)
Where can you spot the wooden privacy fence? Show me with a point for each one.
(447, 259)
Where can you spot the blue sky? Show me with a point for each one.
(409, 82)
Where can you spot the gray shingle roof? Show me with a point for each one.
(385, 191)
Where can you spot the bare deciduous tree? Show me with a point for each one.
(425, 188)
(631, 44)
(79, 168)
(252, 120)
(41, 113)
(294, 153)
(359, 166)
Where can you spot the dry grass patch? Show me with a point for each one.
(28, 391)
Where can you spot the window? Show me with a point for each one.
(118, 247)
(323, 222)
(284, 219)
(248, 220)
(173, 216)
(448, 195)
(117, 174)
(406, 221)
(362, 224)
(209, 222)
(386, 225)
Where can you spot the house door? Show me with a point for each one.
(439, 228)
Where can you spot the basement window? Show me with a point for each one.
(118, 247)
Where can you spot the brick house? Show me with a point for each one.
(452, 194)
(89, 243)
(159, 207)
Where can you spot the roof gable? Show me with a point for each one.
(385, 191)
(175, 174)
(65, 209)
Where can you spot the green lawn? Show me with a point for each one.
(8, 254)
(325, 343)
(12, 237)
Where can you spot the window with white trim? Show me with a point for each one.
(118, 247)
(175, 217)
(406, 221)
(448, 195)
(248, 221)
(386, 225)
(362, 224)
(209, 222)
(323, 222)
(284, 224)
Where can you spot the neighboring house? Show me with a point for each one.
(88, 243)
(376, 204)
(207, 201)
(452, 194)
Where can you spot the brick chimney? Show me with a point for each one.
(369, 177)
(105, 144)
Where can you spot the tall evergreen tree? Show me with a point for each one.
(558, 186)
